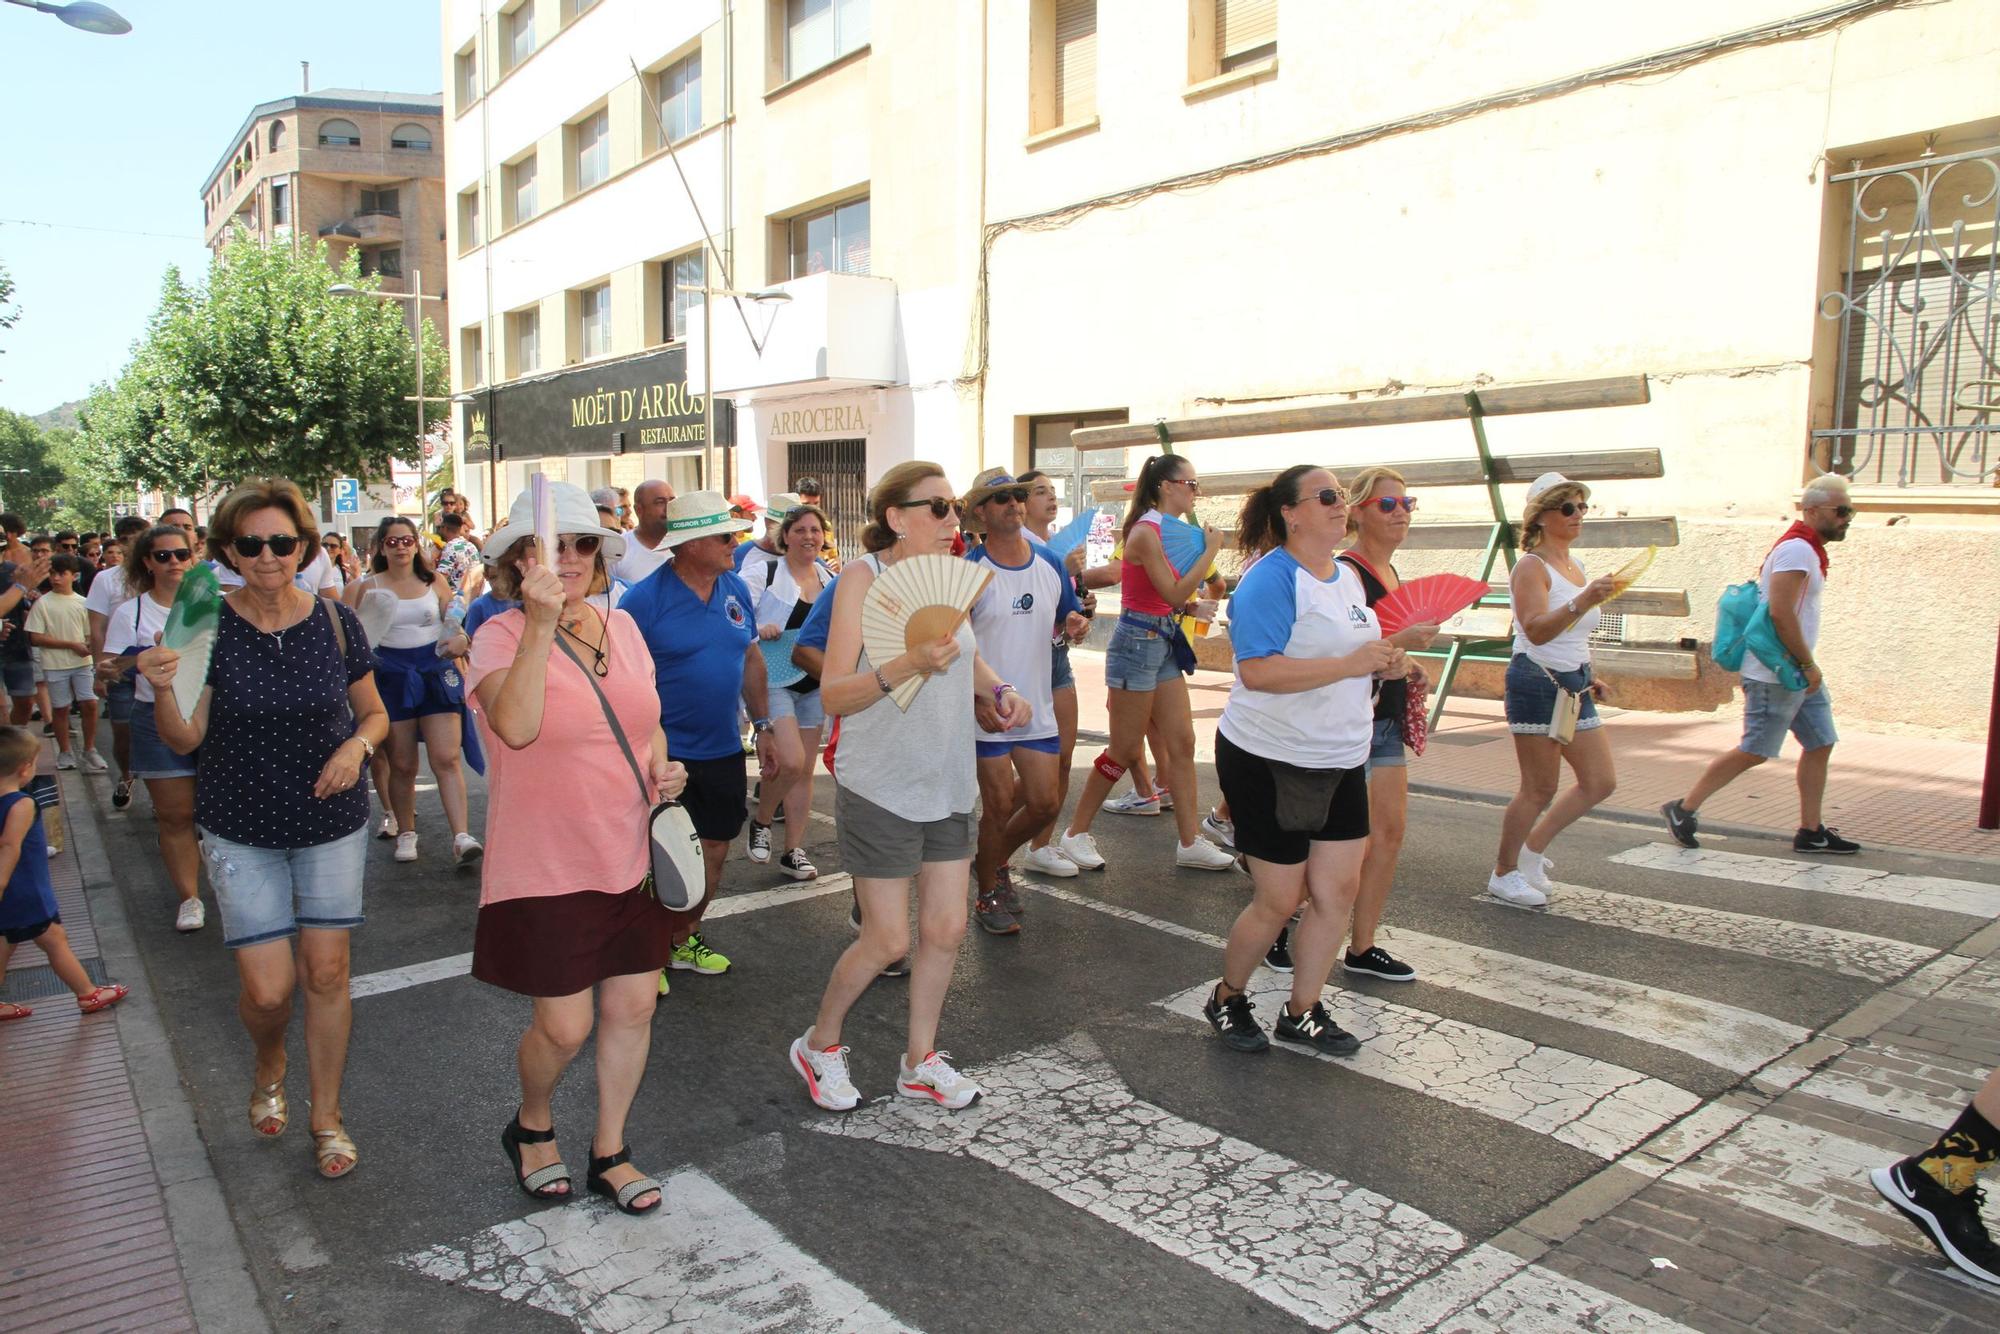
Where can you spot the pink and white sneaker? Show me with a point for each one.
(934, 1080)
(825, 1072)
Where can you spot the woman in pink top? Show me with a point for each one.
(560, 908)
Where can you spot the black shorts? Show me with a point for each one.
(716, 799)
(1253, 803)
(21, 935)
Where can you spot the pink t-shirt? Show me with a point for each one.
(564, 814)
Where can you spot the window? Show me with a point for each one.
(339, 134)
(524, 340)
(819, 32)
(412, 136)
(1246, 31)
(277, 135)
(591, 148)
(682, 273)
(467, 77)
(833, 240)
(281, 203)
(679, 93)
(471, 357)
(387, 263)
(594, 321)
(521, 190)
(1062, 52)
(577, 8)
(517, 33)
(384, 203)
(469, 234)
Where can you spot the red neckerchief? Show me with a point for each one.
(1800, 529)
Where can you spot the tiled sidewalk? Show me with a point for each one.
(85, 1243)
(1907, 792)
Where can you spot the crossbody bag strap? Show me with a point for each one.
(624, 745)
(339, 630)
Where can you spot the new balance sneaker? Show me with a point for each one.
(825, 1071)
(1681, 823)
(1535, 868)
(65, 760)
(760, 842)
(465, 849)
(1823, 839)
(121, 794)
(93, 763)
(1009, 893)
(993, 917)
(1378, 962)
(1220, 831)
(1279, 957)
(1202, 855)
(1315, 1028)
(1134, 804)
(694, 956)
(406, 846)
(1233, 1019)
(191, 916)
(797, 865)
(1050, 861)
(1514, 888)
(935, 1081)
(1952, 1222)
(1081, 849)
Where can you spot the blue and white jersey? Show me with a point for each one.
(1012, 619)
(1281, 609)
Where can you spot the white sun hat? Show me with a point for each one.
(575, 513)
(700, 514)
(1548, 482)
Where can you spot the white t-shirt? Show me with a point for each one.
(107, 590)
(316, 577)
(640, 561)
(133, 628)
(1794, 553)
(1012, 621)
(1282, 610)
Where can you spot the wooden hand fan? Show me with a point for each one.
(1431, 600)
(918, 600)
(1628, 574)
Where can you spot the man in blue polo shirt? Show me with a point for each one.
(696, 614)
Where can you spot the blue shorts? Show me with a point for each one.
(994, 750)
(1770, 711)
(150, 756)
(1139, 659)
(803, 708)
(119, 697)
(1386, 750)
(269, 893)
(1531, 697)
(20, 677)
(1061, 675)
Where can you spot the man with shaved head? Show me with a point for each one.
(646, 550)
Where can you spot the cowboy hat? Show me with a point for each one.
(574, 514)
(702, 514)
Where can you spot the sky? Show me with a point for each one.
(110, 139)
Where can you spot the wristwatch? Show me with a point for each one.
(366, 745)
(760, 725)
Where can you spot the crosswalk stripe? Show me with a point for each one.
(1903, 1084)
(1323, 1249)
(1488, 1291)
(1593, 1105)
(1850, 952)
(1801, 1174)
(711, 1263)
(1972, 897)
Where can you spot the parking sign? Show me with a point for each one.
(346, 495)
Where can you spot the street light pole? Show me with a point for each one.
(416, 297)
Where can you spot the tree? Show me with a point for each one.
(9, 315)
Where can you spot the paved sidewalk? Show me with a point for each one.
(1891, 791)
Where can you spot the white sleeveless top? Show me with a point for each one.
(1569, 650)
(415, 624)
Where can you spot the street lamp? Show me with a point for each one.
(84, 15)
(417, 297)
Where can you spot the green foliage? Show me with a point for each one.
(9, 315)
(62, 485)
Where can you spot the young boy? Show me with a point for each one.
(28, 899)
(59, 625)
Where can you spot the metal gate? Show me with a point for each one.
(841, 466)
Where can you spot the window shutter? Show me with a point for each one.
(1243, 25)
(1076, 60)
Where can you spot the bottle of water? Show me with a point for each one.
(454, 623)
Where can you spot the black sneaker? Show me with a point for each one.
(1378, 962)
(1233, 1020)
(1279, 957)
(993, 917)
(1681, 823)
(1007, 892)
(121, 794)
(1952, 1222)
(1315, 1028)
(1823, 839)
(759, 843)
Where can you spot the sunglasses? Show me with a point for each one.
(1389, 504)
(1191, 483)
(404, 541)
(1330, 496)
(66, 546)
(1016, 494)
(938, 505)
(1569, 509)
(169, 555)
(281, 544)
(583, 544)
(1843, 511)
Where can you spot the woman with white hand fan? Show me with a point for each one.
(907, 776)
(784, 592)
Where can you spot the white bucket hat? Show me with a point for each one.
(575, 513)
(700, 514)
(1548, 482)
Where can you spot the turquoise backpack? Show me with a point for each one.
(1743, 622)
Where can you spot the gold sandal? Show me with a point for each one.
(267, 1103)
(331, 1144)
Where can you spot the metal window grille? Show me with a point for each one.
(842, 469)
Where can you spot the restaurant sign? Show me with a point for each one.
(615, 407)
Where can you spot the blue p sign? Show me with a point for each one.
(346, 495)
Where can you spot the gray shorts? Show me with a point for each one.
(881, 845)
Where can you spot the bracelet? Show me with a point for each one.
(882, 681)
(366, 744)
(1002, 689)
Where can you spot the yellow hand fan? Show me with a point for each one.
(1628, 574)
(918, 600)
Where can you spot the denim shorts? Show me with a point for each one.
(1139, 659)
(1001, 748)
(151, 757)
(1531, 697)
(1770, 711)
(71, 686)
(1386, 750)
(269, 893)
(119, 697)
(803, 708)
(20, 677)
(1061, 675)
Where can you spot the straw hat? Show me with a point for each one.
(575, 513)
(981, 491)
(780, 505)
(701, 514)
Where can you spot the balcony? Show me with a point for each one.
(368, 227)
(838, 331)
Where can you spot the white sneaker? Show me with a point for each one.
(1222, 832)
(388, 829)
(93, 763)
(65, 760)
(1134, 804)
(191, 917)
(406, 846)
(465, 849)
(1535, 868)
(934, 1080)
(825, 1073)
(1166, 798)
(1080, 849)
(1050, 861)
(1203, 855)
(1514, 888)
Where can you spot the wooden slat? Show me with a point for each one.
(1635, 601)
(1563, 396)
(1624, 534)
(1670, 663)
(1603, 465)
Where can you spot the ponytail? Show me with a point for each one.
(1154, 473)
(1260, 525)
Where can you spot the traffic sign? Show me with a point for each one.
(346, 495)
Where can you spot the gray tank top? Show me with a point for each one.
(920, 765)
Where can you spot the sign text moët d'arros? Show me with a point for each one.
(646, 400)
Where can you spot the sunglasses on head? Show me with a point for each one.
(938, 505)
(1389, 504)
(281, 544)
(169, 555)
(583, 544)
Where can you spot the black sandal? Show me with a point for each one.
(541, 1183)
(622, 1196)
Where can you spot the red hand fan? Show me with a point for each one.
(1431, 600)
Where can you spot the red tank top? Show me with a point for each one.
(1135, 586)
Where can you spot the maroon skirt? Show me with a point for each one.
(566, 943)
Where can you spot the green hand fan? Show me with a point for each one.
(190, 632)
